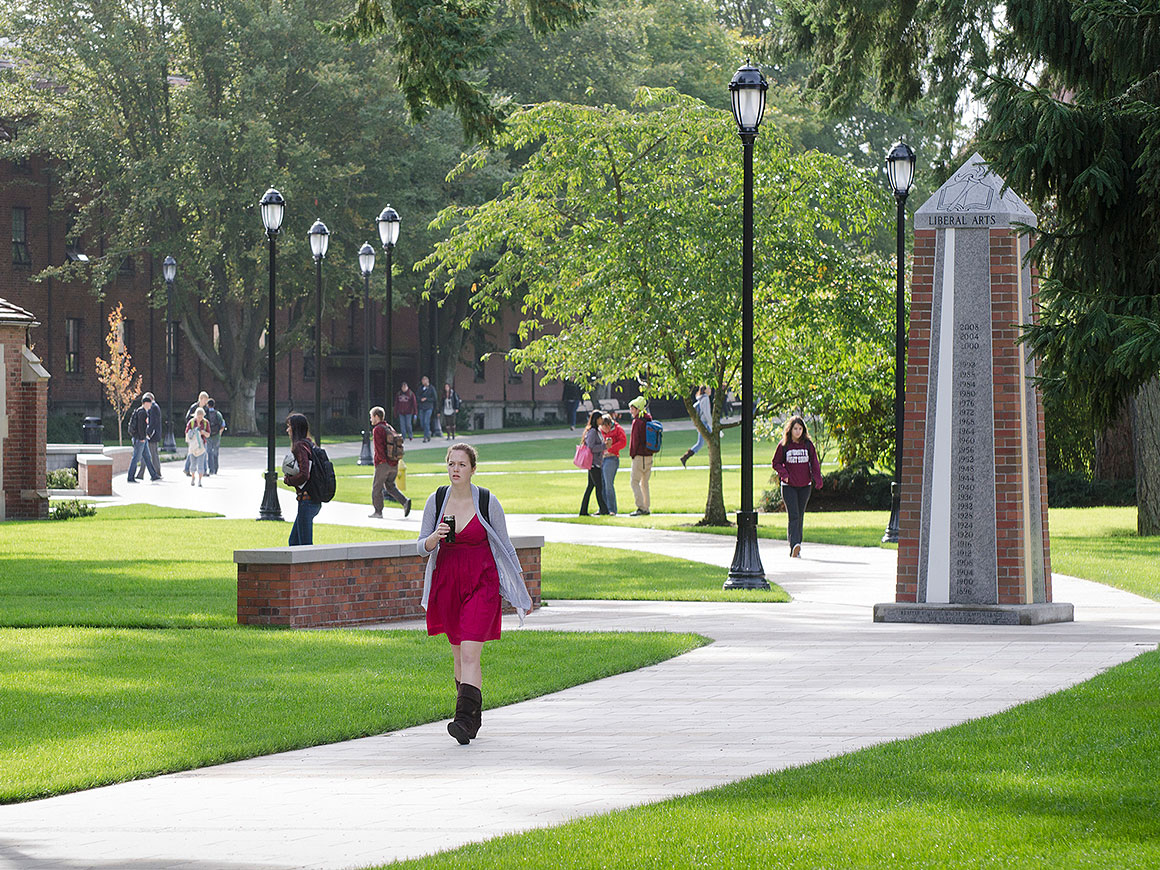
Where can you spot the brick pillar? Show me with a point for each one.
(23, 419)
(973, 543)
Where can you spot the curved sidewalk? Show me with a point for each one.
(781, 685)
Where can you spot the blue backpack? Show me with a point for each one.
(653, 433)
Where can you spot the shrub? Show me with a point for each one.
(1071, 489)
(64, 428)
(65, 510)
(62, 478)
(852, 488)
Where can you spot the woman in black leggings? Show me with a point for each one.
(796, 463)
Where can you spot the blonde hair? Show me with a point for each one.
(377, 411)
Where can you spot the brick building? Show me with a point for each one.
(74, 322)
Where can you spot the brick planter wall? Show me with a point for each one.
(346, 584)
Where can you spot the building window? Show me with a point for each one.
(479, 374)
(20, 254)
(72, 345)
(73, 249)
(127, 336)
(128, 268)
(514, 377)
(173, 347)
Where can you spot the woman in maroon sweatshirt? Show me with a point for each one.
(796, 463)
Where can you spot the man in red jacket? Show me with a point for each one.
(642, 458)
(386, 470)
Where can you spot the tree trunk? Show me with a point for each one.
(1146, 434)
(715, 501)
(1114, 454)
(243, 416)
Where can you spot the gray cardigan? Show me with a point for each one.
(595, 442)
(511, 576)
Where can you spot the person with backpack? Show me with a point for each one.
(388, 451)
(196, 435)
(202, 401)
(471, 564)
(641, 455)
(217, 426)
(309, 499)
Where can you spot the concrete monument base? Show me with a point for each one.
(974, 614)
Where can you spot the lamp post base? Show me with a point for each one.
(271, 509)
(168, 443)
(365, 458)
(890, 536)
(746, 572)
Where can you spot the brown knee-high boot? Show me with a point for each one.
(467, 712)
(688, 455)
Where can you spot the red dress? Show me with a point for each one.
(464, 602)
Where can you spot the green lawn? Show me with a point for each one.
(81, 707)
(538, 477)
(1068, 781)
(1101, 544)
(577, 571)
(850, 528)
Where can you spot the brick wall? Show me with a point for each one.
(345, 591)
(24, 466)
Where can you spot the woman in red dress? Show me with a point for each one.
(468, 571)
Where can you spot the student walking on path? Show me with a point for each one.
(614, 440)
(797, 466)
(297, 475)
(426, 397)
(405, 410)
(642, 457)
(217, 426)
(594, 441)
(139, 435)
(386, 464)
(196, 435)
(471, 563)
(202, 401)
(704, 408)
(450, 408)
(154, 435)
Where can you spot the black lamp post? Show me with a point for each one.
(389, 234)
(366, 262)
(748, 91)
(169, 271)
(273, 207)
(900, 167)
(319, 242)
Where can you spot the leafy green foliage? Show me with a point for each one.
(62, 478)
(620, 240)
(70, 508)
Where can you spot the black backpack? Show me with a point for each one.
(484, 503)
(321, 484)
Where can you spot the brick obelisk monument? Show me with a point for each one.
(973, 544)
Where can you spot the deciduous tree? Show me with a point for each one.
(621, 235)
(117, 373)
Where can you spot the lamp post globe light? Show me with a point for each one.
(273, 208)
(319, 242)
(747, 89)
(900, 168)
(388, 222)
(169, 272)
(366, 263)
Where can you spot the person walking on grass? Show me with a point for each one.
(405, 410)
(614, 441)
(471, 564)
(386, 464)
(594, 441)
(139, 435)
(196, 436)
(704, 408)
(642, 457)
(797, 466)
(296, 470)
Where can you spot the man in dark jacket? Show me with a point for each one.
(213, 446)
(405, 409)
(426, 396)
(154, 435)
(139, 433)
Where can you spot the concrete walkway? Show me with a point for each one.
(781, 685)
